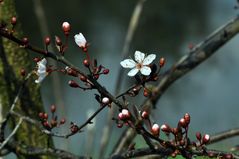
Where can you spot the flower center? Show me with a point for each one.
(139, 65)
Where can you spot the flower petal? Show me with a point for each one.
(43, 62)
(40, 78)
(80, 40)
(145, 70)
(139, 56)
(128, 63)
(133, 72)
(149, 59)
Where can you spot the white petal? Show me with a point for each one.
(40, 73)
(41, 67)
(42, 62)
(145, 70)
(149, 59)
(80, 40)
(139, 56)
(40, 78)
(133, 72)
(128, 63)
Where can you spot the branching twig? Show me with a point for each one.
(12, 133)
(198, 55)
(35, 151)
(107, 131)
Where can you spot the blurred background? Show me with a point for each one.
(209, 93)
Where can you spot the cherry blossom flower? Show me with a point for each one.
(80, 40)
(41, 70)
(141, 63)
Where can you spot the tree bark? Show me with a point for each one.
(12, 59)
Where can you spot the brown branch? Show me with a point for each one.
(166, 152)
(50, 133)
(199, 54)
(19, 148)
(223, 135)
(102, 90)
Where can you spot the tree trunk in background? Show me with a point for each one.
(12, 59)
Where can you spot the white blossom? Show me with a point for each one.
(80, 40)
(41, 70)
(141, 63)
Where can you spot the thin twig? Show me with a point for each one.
(223, 135)
(199, 54)
(107, 131)
(12, 133)
(4, 121)
(50, 133)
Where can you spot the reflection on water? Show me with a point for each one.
(209, 93)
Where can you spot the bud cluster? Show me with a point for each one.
(50, 123)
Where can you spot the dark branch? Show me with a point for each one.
(199, 54)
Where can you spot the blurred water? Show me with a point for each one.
(209, 93)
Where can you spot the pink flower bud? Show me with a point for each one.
(165, 128)
(183, 123)
(105, 100)
(161, 62)
(66, 27)
(53, 108)
(205, 139)
(198, 136)
(155, 130)
(187, 118)
(47, 40)
(106, 71)
(145, 115)
(14, 20)
(120, 116)
(126, 113)
(73, 84)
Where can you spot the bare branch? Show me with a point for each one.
(125, 52)
(12, 133)
(199, 54)
(36, 151)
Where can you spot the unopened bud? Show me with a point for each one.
(73, 84)
(41, 115)
(166, 128)
(183, 123)
(66, 27)
(205, 139)
(25, 41)
(58, 41)
(14, 20)
(187, 118)
(47, 40)
(23, 72)
(145, 115)
(161, 62)
(198, 136)
(155, 130)
(86, 63)
(63, 120)
(106, 71)
(53, 108)
(105, 100)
